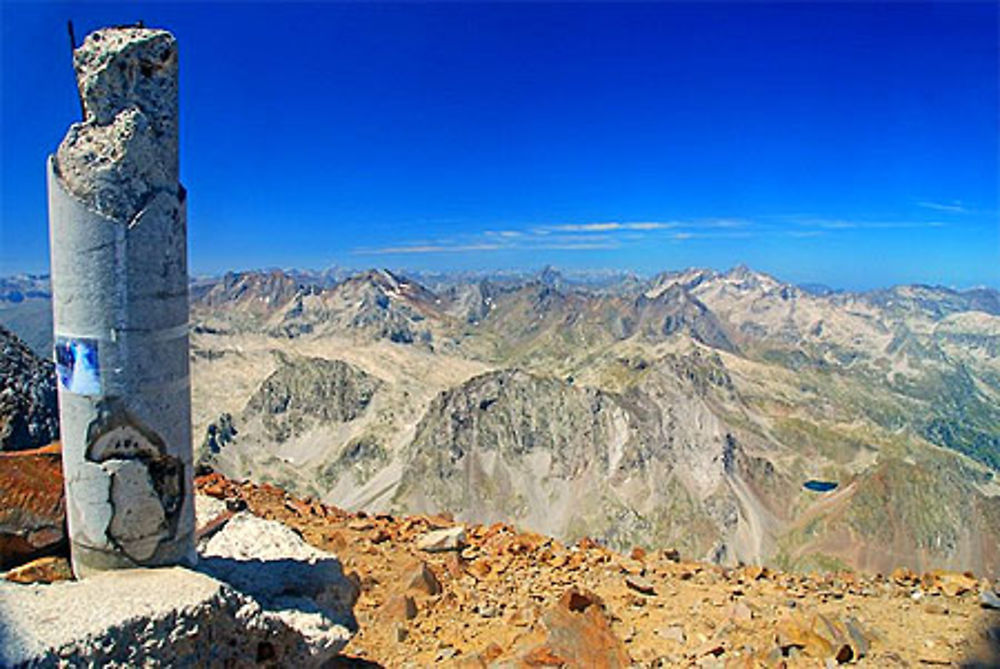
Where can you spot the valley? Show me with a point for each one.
(688, 410)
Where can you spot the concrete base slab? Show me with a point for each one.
(286, 604)
(135, 617)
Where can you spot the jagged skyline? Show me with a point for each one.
(818, 143)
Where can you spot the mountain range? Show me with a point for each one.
(731, 415)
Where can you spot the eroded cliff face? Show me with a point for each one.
(655, 466)
(305, 391)
(28, 411)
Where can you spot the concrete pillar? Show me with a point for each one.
(120, 304)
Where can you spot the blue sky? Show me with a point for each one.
(852, 144)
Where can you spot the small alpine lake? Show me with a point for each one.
(820, 486)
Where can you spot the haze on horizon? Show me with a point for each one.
(854, 145)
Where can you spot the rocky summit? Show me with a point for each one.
(439, 592)
(422, 590)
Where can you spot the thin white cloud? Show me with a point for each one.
(849, 224)
(586, 227)
(682, 235)
(954, 207)
(428, 248)
(723, 223)
(652, 225)
(608, 235)
(611, 226)
(504, 233)
(578, 246)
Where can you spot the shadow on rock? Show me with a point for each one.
(286, 584)
(986, 649)
(350, 662)
(299, 585)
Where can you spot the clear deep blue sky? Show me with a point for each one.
(852, 144)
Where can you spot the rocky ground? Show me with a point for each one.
(437, 592)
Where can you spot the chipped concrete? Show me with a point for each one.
(119, 282)
(170, 617)
(259, 595)
(138, 523)
(125, 149)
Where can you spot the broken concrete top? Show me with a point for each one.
(120, 67)
(125, 150)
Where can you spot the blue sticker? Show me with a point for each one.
(78, 366)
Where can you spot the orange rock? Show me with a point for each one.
(501, 565)
(43, 570)
(526, 542)
(579, 600)
(300, 508)
(213, 525)
(579, 634)
(492, 652)
(639, 584)
(575, 561)
(671, 554)
(32, 511)
(633, 567)
(336, 541)
(422, 579)
(440, 521)
(796, 633)
(269, 489)
(950, 583)
(480, 569)
(494, 530)
(455, 564)
(523, 617)
(398, 608)
(558, 561)
(214, 485)
(638, 553)
(543, 656)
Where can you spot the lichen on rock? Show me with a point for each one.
(125, 149)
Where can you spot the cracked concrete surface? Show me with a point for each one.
(144, 488)
(138, 523)
(119, 282)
